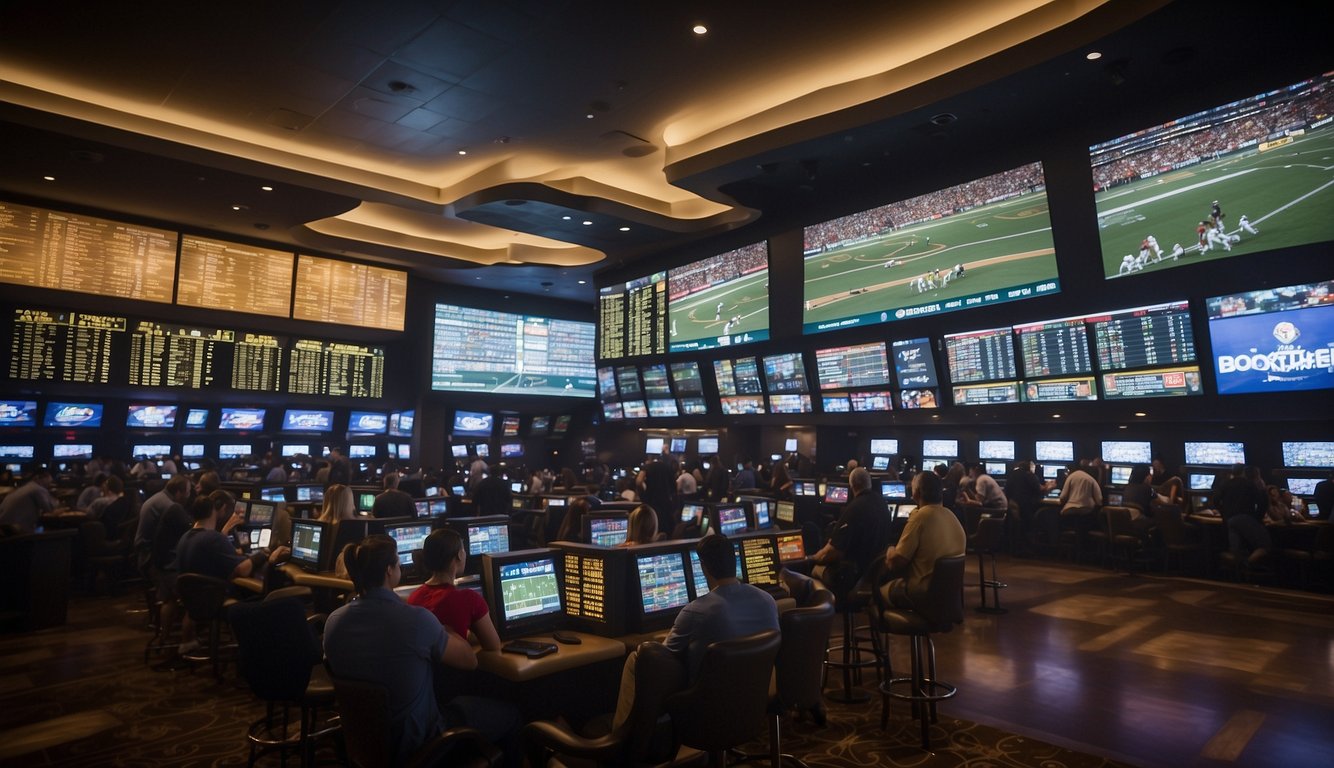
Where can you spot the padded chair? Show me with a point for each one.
(279, 656)
(1176, 536)
(797, 671)
(855, 650)
(726, 705)
(645, 738)
(1123, 538)
(205, 600)
(100, 554)
(986, 541)
(937, 611)
(364, 711)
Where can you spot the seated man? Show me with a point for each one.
(730, 610)
(858, 538)
(381, 639)
(932, 532)
(393, 502)
(987, 492)
(24, 506)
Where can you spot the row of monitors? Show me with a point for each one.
(1296, 453)
(161, 416)
(901, 260)
(62, 452)
(1277, 340)
(483, 424)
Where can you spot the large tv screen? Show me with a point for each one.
(479, 350)
(73, 415)
(686, 380)
(632, 317)
(1227, 181)
(737, 377)
(473, 424)
(151, 417)
(1275, 340)
(785, 373)
(720, 300)
(18, 413)
(975, 244)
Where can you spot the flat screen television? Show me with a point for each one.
(790, 444)
(606, 529)
(148, 417)
(981, 356)
(1201, 481)
(707, 445)
(1127, 451)
(913, 399)
(479, 350)
(914, 364)
(243, 419)
(862, 365)
(1197, 188)
(655, 380)
(759, 560)
(835, 404)
(1054, 348)
(291, 450)
(401, 423)
(196, 418)
(367, 423)
(511, 450)
(1120, 474)
(879, 463)
(719, 301)
(459, 451)
(653, 446)
(1308, 453)
(473, 424)
(785, 373)
(789, 403)
(836, 493)
(662, 409)
(304, 420)
(613, 412)
(73, 415)
(192, 451)
(627, 381)
(660, 581)
(678, 445)
(805, 488)
(538, 426)
(233, 451)
(72, 451)
(409, 540)
(893, 489)
(361, 451)
(686, 380)
(607, 383)
(943, 448)
(310, 540)
(791, 546)
(18, 413)
(561, 425)
(1054, 450)
(875, 400)
(1216, 454)
(1303, 486)
(1273, 340)
(523, 589)
(509, 425)
(149, 450)
(742, 405)
(483, 450)
(730, 518)
(785, 511)
(24, 452)
(903, 260)
(884, 446)
(995, 449)
(737, 377)
(635, 409)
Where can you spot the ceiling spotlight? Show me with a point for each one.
(49, 178)
(1141, 413)
(625, 229)
(588, 223)
(239, 207)
(565, 218)
(1093, 56)
(463, 151)
(267, 188)
(583, 282)
(700, 29)
(1056, 415)
(589, 115)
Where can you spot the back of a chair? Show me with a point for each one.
(990, 534)
(942, 604)
(1170, 526)
(799, 669)
(725, 706)
(363, 709)
(659, 674)
(1118, 521)
(203, 596)
(276, 647)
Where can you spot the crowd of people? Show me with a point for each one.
(722, 268)
(934, 205)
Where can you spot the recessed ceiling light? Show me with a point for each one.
(1056, 415)
(1121, 426)
(588, 223)
(565, 218)
(1093, 56)
(463, 151)
(589, 115)
(625, 229)
(267, 188)
(239, 207)
(700, 29)
(583, 282)
(49, 178)
(1141, 413)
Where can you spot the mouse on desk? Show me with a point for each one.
(566, 638)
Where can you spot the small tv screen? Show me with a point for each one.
(73, 415)
(1215, 454)
(72, 451)
(409, 539)
(16, 451)
(785, 373)
(483, 450)
(1273, 340)
(885, 446)
(948, 448)
(864, 365)
(18, 413)
(835, 404)
(458, 451)
(913, 399)
(1303, 486)
(292, 450)
(995, 449)
(693, 406)
(653, 446)
(731, 519)
(243, 419)
(879, 463)
(192, 451)
(789, 403)
(1120, 475)
(836, 494)
(785, 511)
(664, 408)
(196, 418)
(1215, 184)
(473, 424)
(979, 243)
(872, 401)
(662, 582)
(607, 383)
(509, 425)
(707, 445)
(234, 450)
(367, 423)
(511, 450)
(893, 490)
(914, 364)
(678, 445)
(791, 547)
(302, 420)
(981, 356)
(1127, 451)
(655, 380)
(608, 531)
(528, 589)
(149, 417)
(150, 450)
(790, 444)
(627, 381)
(538, 427)
(401, 423)
(488, 538)
(1201, 481)
(561, 426)
(635, 409)
(1308, 453)
(719, 301)
(743, 405)
(1054, 450)
(686, 380)
(307, 543)
(361, 451)
(613, 411)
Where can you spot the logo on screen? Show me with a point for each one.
(473, 423)
(73, 414)
(1286, 332)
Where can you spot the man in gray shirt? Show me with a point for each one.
(23, 506)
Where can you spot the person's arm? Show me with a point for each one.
(678, 640)
(485, 630)
(249, 564)
(236, 519)
(457, 654)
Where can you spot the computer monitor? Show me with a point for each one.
(661, 584)
(459, 451)
(366, 500)
(902, 511)
(893, 489)
(804, 488)
(678, 445)
(1203, 481)
(791, 546)
(481, 535)
(836, 493)
(273, 493)
(790, 445)
(409, 539)
(731, 518)
(759, 560)
(251, 540)
(879, 463)
(761, 509)
(996, 468)
(439, 505)
(1051, 471)
(606, 529)
(1120, 475)
(261, 512)
(523, 589)
(698, 582)
(310, 493)
(691, 512)
(310, 540)
(1298, 486)
(785, 512)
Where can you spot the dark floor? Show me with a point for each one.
(1087, 668)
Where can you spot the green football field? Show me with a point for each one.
(1285, 193)
(699, 318)
(1000, 246)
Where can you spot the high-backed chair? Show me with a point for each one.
(205, 600)
(988, 538)
(364, 710)
(725, 706)
(1176, 536)
(646, 737)
(1124, 541)
(279, 656)
(936, 611)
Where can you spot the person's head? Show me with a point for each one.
(859, 481)
(572, 525)
(567, 478)
(115, 486)
(390, 481)
(42, 477)
(926, 488)
(178, 488)
(1158, 466)
(956, 473)
(852, 465)
(1139, 474)
(1253, 474)
(941, 471)
(339, 504)
(780, 473)
(372, 563)
(443, 551)
(975, 470)
(643, 527)
(214, 506)
(207, 483)
(717, 558)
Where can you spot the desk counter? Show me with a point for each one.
(518, 668)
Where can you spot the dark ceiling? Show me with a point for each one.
(513, 81)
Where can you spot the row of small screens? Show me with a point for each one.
(23, 413)
(483, 424)
(61, 452)
(989, 240)
(1141, 352)
(73, 252)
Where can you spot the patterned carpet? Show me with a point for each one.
(81, 695)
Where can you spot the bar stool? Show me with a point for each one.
(936, 611)
(855, 654)
(990, 533)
